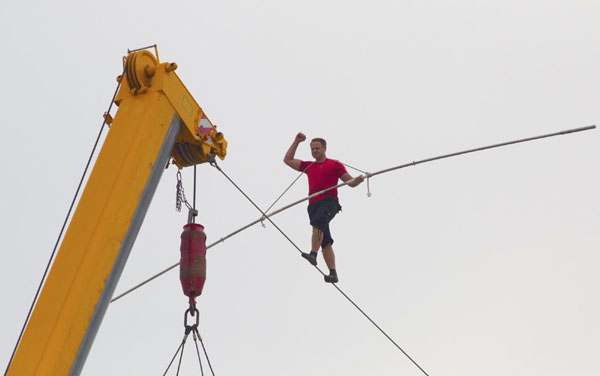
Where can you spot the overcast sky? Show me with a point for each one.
(484, 264)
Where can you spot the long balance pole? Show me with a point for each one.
(367, 175)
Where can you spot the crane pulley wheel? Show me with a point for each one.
(140, 69)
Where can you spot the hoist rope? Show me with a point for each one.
(194, 186)
(414, 163)
(62, 229)
(214, 163)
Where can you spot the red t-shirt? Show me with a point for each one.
(322, 176)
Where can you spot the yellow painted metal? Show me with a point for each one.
(199, 137)
(103, 217)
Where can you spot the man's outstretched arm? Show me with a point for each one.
(354, 181)
(290, 154)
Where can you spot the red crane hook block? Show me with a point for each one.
(192, 268)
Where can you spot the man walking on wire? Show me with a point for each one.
(322, 173)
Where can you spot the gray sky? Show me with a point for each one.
(483, 264)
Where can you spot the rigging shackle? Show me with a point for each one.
(192, 268)
(193, 312)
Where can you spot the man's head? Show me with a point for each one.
(318, 146)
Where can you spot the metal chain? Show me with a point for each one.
(180, 194)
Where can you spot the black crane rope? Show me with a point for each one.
(367, 175)
(214, 164)
(62, 229)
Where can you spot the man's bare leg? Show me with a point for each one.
(317, 238)
(329, 256)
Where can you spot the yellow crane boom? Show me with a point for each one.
(157, 119)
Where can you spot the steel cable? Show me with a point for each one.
(174, 356)
(180, 358)
(204, 349)
(320, 271)
(198, 353)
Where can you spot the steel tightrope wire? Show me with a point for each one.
(214, 164)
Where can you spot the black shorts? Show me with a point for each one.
(320, 214)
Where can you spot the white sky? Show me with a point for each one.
(478, 265)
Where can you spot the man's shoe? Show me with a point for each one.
(331, 278)
(312, 259)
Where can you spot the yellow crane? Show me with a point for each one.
(157, 121)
